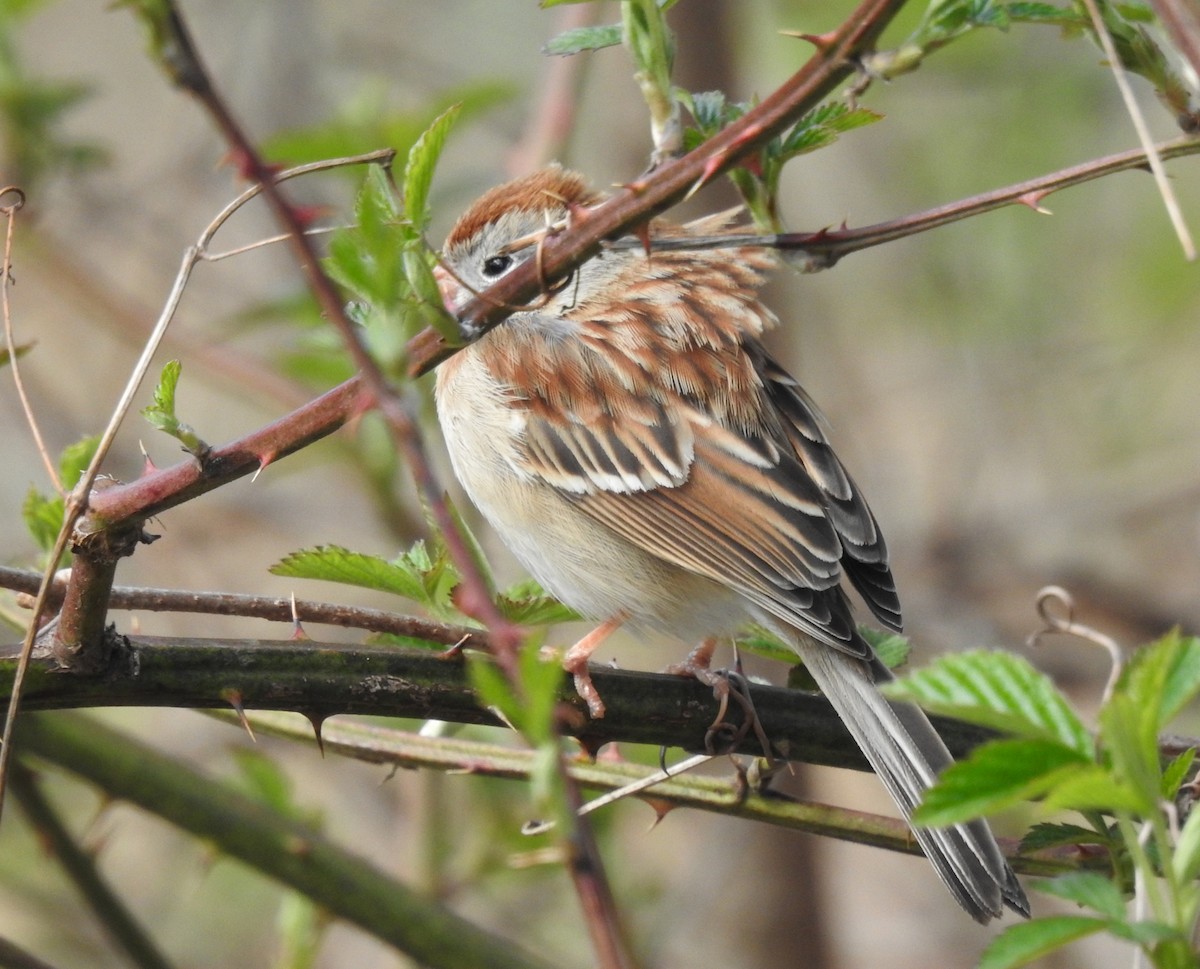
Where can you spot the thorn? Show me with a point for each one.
(643, 234)
(576, 215)
(455, 651)
(1034, 201)
(298, 633)
(660, 808)
(264, 461)
(822, 42)
(711, 167)
(234, 699)
(148, 465)
(317, 720)
(591, 746)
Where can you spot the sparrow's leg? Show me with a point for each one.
(576, 659)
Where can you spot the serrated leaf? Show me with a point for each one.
(996, 775)
(997, 690)
(1054, 835)
(892, 649)
(482, 565)
(417, 574)
(427, 296)
(1019, 945)
(584, 39)
(74, 460)
(1148, 934)
(375, 203)
(1088, 889)
(43, 517)
(821, 127)
(1129, 733)
(164, 394)
(332, 563)
(762, 642)
(161, 413)
(1164, 676)
(422, 159)
(1094, 788)
(528, 604)
(1176, 772)
(1185, 860)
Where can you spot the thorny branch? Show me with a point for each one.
(190, 73)
(640, 200)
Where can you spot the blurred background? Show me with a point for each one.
(1016, 394)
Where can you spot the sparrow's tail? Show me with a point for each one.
(907, 754)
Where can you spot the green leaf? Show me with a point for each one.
(1176, 772)
(528, 604)
(417, 575)
(1088, 889)
(762, 642)
(1094, 788)
(1020, 944)
(332, 563)
(422, 159)
(1054, 835)
(996, 775)
(1164, 676)
(1129, 734)
(265, 780)
(584, 39)
(161, 414)
(74, 460)
(21, 349)
(1149, 934)
(427, 296)
(891, 648)
(821, 127)
(1185, 860)
(43, 517)
(997, 690)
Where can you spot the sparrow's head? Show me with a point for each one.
(501, 230)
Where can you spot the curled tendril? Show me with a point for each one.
(1056, 609)
(11, 207)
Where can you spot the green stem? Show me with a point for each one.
(290, 852)
(80, 867)
(719, 795)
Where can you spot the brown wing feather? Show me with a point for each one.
(718, 464)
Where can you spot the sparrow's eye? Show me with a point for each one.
(495, 266)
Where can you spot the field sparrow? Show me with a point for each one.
(645, 459)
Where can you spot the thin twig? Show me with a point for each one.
(189, 71)
(77, 502)
(825, 247)
(1170, 202)
(9, 210)
(142, 599)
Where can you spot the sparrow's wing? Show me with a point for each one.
(755, 500)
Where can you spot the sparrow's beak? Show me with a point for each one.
(454, 294)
